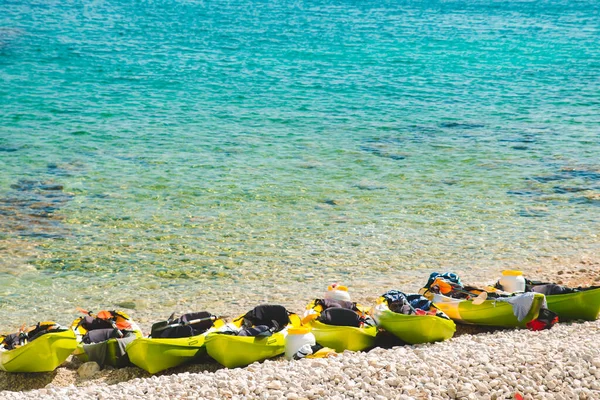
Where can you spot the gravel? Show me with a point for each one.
(561, 363)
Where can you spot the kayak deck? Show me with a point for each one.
(416, 329)
(584, 304)
(233, 351)
(44, 354)
(155, 355)
(342, 338)
(488, 313)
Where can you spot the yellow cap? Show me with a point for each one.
(337, 287)
(298, 331)
(511, 272)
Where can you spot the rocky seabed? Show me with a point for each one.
(561, 363)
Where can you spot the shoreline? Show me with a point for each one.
(64, 381)
(561, 363)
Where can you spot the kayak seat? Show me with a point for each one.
(185, 329)
(340, 316)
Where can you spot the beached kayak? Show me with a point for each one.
(43, 354)
(233, 351)
(154, 355)
(338, 323)
(342, 338)
(173, 342)
(489, 313)
(582, 304)
(569, 303)
(110, 352)
(415, 329)
(255, 336)
(104, 337)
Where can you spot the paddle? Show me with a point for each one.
(414, 310)
(481, 297)
(23, 335)
(161, 326)
(477, 300)
(447, 287)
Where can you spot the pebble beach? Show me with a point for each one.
(478, 363)
(562, 363)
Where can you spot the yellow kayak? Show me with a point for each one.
(415, 329)
(489, 313)
(255, 336)
(342, 338)
(43, 354)
(103, 337)
(233, 351)
(155, 354)
(340, 325)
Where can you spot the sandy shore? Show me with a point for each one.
(477, 363)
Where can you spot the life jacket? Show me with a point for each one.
(545, 320)
(449, 284)
(398, 302)
(102, 326)
(409, 304)
(264, 320)
(191, 324)
(26, 335)
(448, 276)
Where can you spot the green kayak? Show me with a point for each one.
(44, 354)
(342, 338)
(415, 329)
(103, 337)
(155, 355)
(255, 336)
(234, 351)
(489, 313)
(173, 342)
(109, 352)
(583, 304)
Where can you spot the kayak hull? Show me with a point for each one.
(233, 351)
(415, 329)
(155, 355)
(108, 352)
(584, 304)
(342, 338)
(44, 354)
(489, 313)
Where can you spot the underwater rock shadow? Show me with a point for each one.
(30, 209)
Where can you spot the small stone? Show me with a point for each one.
(275, 385)
(393, 382)
(88, 369)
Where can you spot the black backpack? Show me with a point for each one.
(329, 303)
(275, 317)
(340, 316)
(191, 324)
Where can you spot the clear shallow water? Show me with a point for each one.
(187, 154)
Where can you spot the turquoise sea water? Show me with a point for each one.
(196, 154)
